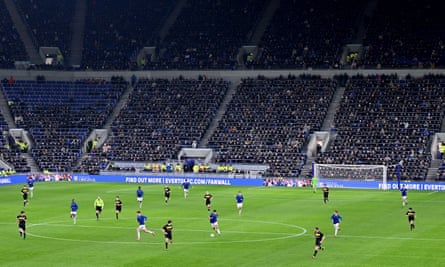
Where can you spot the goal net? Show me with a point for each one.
(363, 173)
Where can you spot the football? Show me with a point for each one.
(212, 235)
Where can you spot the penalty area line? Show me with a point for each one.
(391, 238)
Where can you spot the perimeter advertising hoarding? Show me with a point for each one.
(159, 179)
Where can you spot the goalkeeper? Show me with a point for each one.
(314, 183)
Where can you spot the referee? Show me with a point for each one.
(99, 204)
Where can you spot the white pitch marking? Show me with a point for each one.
(286, 235)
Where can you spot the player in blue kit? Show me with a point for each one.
(239, 202)
(336, 220)
(213, 219)
(30, 183)
(73, 213)
(139, 196)
(186, 185)
(141, 219)
(404, 192)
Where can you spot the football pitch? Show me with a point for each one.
(274, 229)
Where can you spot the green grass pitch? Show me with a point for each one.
(274, 229)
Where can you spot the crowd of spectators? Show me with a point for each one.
(405, 34)
(388, 120)
(49, 22)
(11, 46)
(58, 124)
(10, 152)
(308, 34)
(160, 118)
(381, 120)
(207, 34)
(116, 31)
(270, 119)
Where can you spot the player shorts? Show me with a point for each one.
(336, 225)
(215, 224)
(99, 208)
(139, 199)
(167, 195)
(73, 213)
(239, 205)
(22, 226)
(142, 227)
(119, 208)
(168, 235)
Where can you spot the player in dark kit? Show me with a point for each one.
(118, 206)
(325, 194)
(411, 214)
(25, 193)
(168, 233)
(319, 238)
(21, 223)
(167, 191)
(208, 200)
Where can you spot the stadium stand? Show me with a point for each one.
(382, 118)
(49, 22)
(11, 46)
(270, 120)
(387, 120)
(160, 118)
(207, 34)
(117, 30)
(405, 34)
(59, 123)
(308, 34)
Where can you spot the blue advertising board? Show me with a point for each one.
(140, 179)
(428, 186)
(212, 180)
(160, 179)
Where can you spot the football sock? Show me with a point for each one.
(166, 245)
(315, 253)
(24, 235)
(20, 233)
(97, 216)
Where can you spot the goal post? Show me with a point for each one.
(362, 173)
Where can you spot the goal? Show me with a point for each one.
(362, 173)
